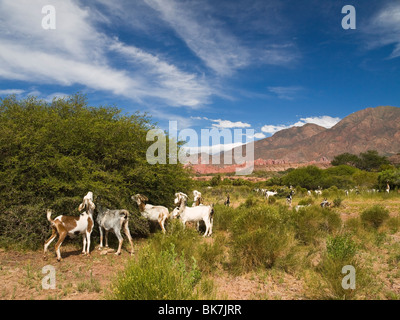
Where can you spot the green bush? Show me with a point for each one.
(341, 248)
(314, 222)
(223, 217)
(157, 275)
(374, 216)
(305, 202)
(340, 252)
(337, 202)
(259, 238)
(52, 154)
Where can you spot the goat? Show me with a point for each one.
(153, 213)
(270, 194)
(325, 204)
(72, 226)
(193, 214)
(196, 198)
(115, 221)
(227, 201)
(318, 192)
(289, 198)
(388, 188)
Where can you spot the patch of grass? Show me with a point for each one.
(90, 285)
(157, 276)
(341, 247)
(375, 216)
(332, 274)
(259, 238)
(314, 222)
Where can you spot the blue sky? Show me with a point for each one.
(264, 65)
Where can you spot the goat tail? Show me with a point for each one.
(49, 212)
(124, 213)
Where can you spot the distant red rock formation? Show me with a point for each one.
(369, 129)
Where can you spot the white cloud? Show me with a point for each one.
(7, 92)
(209, 39)
(78, 53)
(260, 135)
(271, 129)
(227, 124)
(323, 121)
(384, 29)
(219, 49)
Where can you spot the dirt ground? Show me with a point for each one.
(80, 277)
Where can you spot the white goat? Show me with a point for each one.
(193, 214)
(270, 194)
(318, 192)
(153, 213)
(72, 226)
(388, 188)
(196, 198)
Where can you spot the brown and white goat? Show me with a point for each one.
(72, 226)
(153, 213)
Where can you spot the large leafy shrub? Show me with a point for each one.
(52, 154)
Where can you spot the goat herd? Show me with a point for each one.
(117, 220)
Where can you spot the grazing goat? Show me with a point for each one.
(325, 204)
(115, 221)
(153, 213)
(196, 198)
(72, 226)
(193, 214)
(289, 198)
(270, 194)
(318, 192)
(227, 201)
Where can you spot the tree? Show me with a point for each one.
(52, 154)
(372, 161)
(346, 159)
(369, 161)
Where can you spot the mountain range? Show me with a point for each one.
(369, 129)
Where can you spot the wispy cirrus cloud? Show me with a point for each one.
(286, 93)
(384, 29)
(78, 53)
(206, 36)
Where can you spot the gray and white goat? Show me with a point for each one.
(114, 221)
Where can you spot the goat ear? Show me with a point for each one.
(92, 205)
(81, 206)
